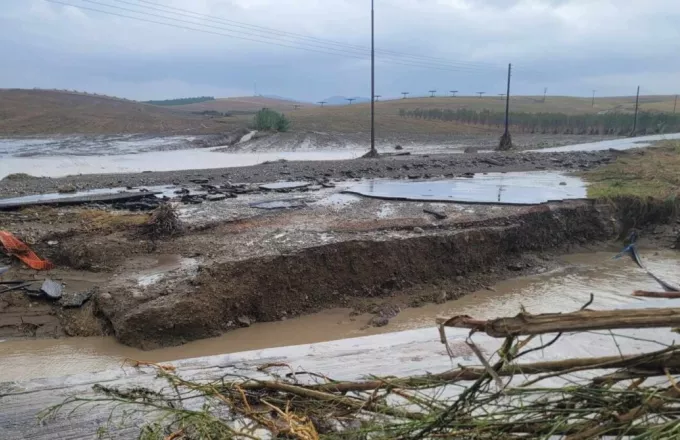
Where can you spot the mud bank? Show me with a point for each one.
(222, 294)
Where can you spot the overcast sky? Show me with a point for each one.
(569, 46)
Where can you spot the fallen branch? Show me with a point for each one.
(526, 324)
(647, 294)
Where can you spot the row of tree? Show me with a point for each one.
(182, 101)
(605, 124)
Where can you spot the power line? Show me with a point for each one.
(237, 34)
(169, 9)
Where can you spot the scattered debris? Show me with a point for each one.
(199, 181)
(19, 249)
(52, 289)
(279, 204)
(244, 321)
(437, 215)
(14, 204)
(379, 321)
(398, 147)
(284, 186)
(20, 286)
(164, 222)
(491, 161)
(215, 197)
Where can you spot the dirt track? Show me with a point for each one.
(415, 166)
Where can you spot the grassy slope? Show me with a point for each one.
(27, 112)
(50, 112)
(655, 173)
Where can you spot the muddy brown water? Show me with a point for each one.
(611, 281)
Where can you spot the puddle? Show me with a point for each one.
(517, 188)
(616, 144)
(285, 185)
(195, 159)
(611, 281)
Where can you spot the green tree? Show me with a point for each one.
(270, 120)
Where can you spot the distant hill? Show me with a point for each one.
(248, 104)
(29, 112)
(181, 101)
(342, 100)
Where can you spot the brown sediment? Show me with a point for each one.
(267, 288)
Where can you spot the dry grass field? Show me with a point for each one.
(30, 112)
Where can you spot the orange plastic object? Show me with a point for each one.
(20, 250)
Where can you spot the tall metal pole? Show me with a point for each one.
(506, 140)
(675, 106)
(593, 104)
(373, 151)
(637, 103)
(507, 103)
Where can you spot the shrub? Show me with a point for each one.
(270, 120)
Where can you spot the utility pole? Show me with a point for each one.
(545, 93)
(637, 104)
(675, 106)
(405, 94)
(377, 98)
(593, 104)
(453, 93)
(321, 102)
(506, 140)
(373, 152)
(350, 100)
(480, 94)
(432, 92)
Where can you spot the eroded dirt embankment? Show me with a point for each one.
(223, 294)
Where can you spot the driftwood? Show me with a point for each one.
(526, 324)
(648, 294)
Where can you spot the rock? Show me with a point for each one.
(66, 189)
(199, 181)
(52, 243)
(77, 299)
(398, 147)
(517, 266)
(388, 311)
(442, 297)
(378, 321)
(418, 230)
(563, 183)
(52, 289)
(215, 197)
(244, 321)
(491, 161)
(414, 176)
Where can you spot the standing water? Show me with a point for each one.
(610, 281)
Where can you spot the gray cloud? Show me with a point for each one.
(570, 46)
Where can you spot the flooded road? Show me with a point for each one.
(615, 144)
(516, 188)
(194, 159)
(611, 281)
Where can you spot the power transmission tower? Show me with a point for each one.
(322, 103)
(373, 152)
(675, 106)
(296, 106)
(432, 92)
(350, 100)
(377, 98)
(480, 94)
(501, 95)
(453, 92)
(545, 93)
(405, 94)
(506, 140)
(637, 104)
(593, 104)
